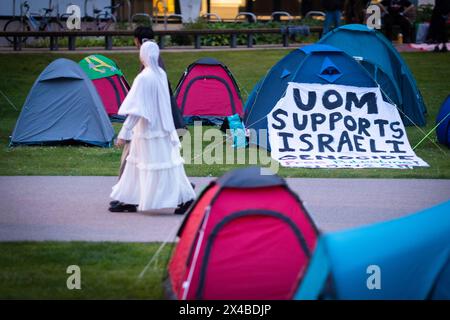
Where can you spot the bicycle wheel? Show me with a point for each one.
(16, 25)
(88, 23)
(54, 26)
(105, 23)
(110, 25)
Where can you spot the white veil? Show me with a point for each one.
(149, 96)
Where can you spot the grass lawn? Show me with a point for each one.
(21, 70)
(31, 270)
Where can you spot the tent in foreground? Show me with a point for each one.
(408, 258)
(375, 53)
(109, 82)
(207, 91)
(247, 236)
(443, 122)
(63, 107)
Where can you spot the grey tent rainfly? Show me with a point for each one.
(63, 107)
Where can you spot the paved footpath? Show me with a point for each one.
(75, 208)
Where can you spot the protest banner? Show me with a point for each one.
(336, 126)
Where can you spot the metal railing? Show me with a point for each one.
(172, 16)
(209, 15)
(310, 14)
(249, 15)
(280, 14)
(108, 35)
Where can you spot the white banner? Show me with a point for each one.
(190, 10)
(335, 126)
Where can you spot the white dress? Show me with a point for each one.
(154, 176)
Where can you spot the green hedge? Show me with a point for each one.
(224, 40)
(210, 40)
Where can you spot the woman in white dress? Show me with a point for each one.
(154, 177)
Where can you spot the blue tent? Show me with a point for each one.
(443, 119)
(310, 64)
(386, 66)
(63, 106)
(412, 254)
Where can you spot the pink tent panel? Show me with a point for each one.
(208, 90)
(112, 91)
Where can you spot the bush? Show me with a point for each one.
(80, 42)
(224, 40)
(200, 24)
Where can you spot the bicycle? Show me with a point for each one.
(104, 18)
(31, 22)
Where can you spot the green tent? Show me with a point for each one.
(98, 66)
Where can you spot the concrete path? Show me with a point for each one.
(75, 208)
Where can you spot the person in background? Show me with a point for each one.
(154, 176)
(333, 13)
(143, 34)
(438, 27)
(398, 12)
(355, 11)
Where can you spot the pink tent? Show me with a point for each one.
(112, 90)
(248, 236)
(208, 89)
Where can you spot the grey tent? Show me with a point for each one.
(62, 107)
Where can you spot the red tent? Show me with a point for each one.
(109, 80)
(247, 236)
(112, 90)
(208, 89)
